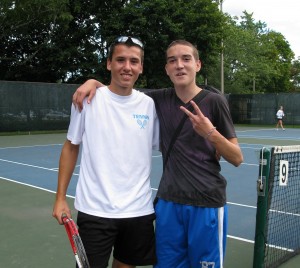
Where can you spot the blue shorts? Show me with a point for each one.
(190, 236)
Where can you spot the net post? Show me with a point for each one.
(262, 208)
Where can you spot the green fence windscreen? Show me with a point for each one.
(26, 106)
(35, 106)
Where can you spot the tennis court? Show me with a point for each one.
(30, 237)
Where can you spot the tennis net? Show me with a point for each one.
(277, 233)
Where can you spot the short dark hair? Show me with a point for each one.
(128, 41)
(184, 43)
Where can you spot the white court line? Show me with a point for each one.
(29, 146)
(231, 203)
(241, 239)
(22, 164)
(250, 147)
(245, 164)
(154, 189)
(254, 207)
(56, 169)
(271, 138)
(32, 186)
(253, 130)
(27, 165)
(70, 196)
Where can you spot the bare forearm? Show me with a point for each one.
(94, 82)
(67, 164)
(229, 149)
(86, 89)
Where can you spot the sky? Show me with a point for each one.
(280, 16)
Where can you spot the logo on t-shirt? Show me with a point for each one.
(141, 119)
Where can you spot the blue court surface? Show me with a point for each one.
(30, 237)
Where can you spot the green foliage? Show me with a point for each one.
(256, 58)
(157, 23)
(44, 40)
(67, 41)
(295, 75)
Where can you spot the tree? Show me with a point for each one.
(67, 40)
(256, 58)
(279, 56)
(295, 75)
(45, 40)
(157, 23)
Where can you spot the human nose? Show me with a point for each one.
(127, 65)
(179, 64)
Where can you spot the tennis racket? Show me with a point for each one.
(76, 243)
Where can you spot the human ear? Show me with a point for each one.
(198, 65)
(108, 65)
(166, 70)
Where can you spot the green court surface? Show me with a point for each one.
(32, 238)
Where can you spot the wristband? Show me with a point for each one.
(210, 132)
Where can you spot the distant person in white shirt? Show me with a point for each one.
(280, 115)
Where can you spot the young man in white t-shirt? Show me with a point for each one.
(118, 131)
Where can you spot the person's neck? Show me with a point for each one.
(187, 93)
(122, 91)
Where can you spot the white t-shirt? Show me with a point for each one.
(280, 114)
(118, 134)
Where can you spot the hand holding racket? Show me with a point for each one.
(75, 241)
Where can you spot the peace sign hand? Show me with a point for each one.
(201, 123)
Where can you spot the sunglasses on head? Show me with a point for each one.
(126, 39)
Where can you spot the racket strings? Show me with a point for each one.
(76, 243)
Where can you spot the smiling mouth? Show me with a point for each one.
(126, 75)
(180, 74)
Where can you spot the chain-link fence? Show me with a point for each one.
(261, 108)
(26, 106)
(35, 106)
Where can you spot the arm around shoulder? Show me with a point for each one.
(86, 89)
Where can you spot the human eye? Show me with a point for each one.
(187, 58)
(135, 61)
(120, 59)
(171, 60)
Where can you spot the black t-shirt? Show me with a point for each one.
(192, 173)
